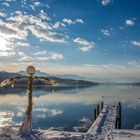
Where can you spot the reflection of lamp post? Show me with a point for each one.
(27, 123)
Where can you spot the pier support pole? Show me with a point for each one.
(98, 108)
(95, 116)
(102, 105)
(119, 115)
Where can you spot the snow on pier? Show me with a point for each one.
(105, 122)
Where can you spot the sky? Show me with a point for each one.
(99, 39)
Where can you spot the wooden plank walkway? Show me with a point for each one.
(105, 122)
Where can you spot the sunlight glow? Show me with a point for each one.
(3, 44)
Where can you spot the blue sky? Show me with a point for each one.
(93, 38)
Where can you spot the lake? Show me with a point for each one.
(69, 109)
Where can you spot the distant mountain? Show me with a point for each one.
(5, 75)
(63, 82)
(64, 76)
(37, 73)
(71, 76)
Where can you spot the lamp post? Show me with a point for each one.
(27, 123)
(26, 126)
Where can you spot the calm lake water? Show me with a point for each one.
(68, 109)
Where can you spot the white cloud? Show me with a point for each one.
(56, 56)
(43, 55)
(37, 27)
(56, 25)
(11, 30)
(37, 3)
(21, 53)
(22, 44)
(132, 63)
(6, 4)
(136, 43)
(24, 57)
(105, 32)
(2, 14)
(86, 45)
(47, 35)
(79, 20)
(105, 2)
(44, 15)
(130, 22)
(5, 48)
(40, 53)
(40, 58)
(69, 21)
(7, 53)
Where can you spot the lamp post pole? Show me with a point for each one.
(27, 123)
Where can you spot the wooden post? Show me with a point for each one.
(102, 105)
(95, 114)
(117, 118)
(119, 115)
(98, 108)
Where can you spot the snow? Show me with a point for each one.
(123, 135)
(105, 121)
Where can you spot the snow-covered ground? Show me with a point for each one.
(123, 135)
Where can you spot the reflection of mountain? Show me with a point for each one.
(61, 82)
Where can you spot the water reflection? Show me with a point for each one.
(69, 109)
(6, 119)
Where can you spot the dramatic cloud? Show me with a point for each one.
(136, 43)
(105, 32)
(86, 45)
(19, 25)
(130, 22)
